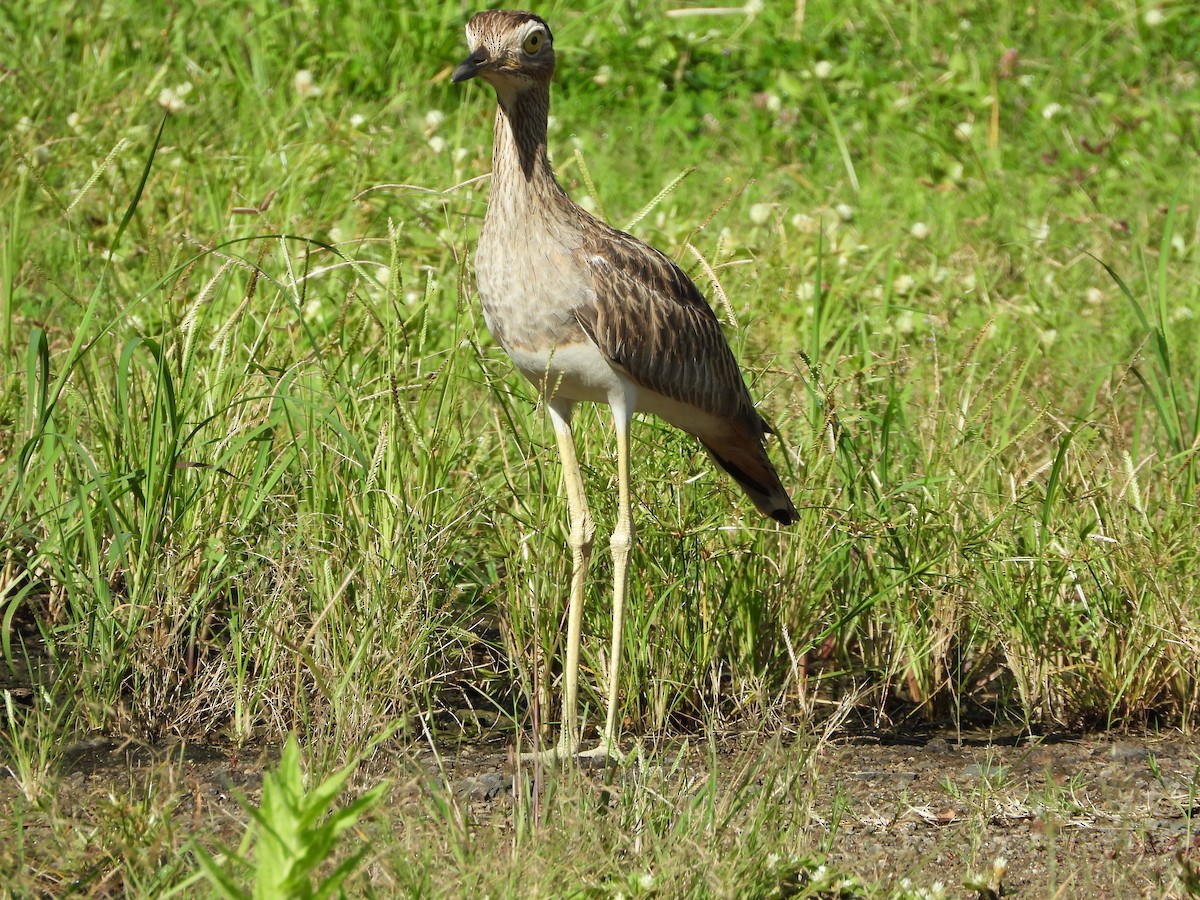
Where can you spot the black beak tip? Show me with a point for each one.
(470, 66)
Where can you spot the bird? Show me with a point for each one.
(589, 313)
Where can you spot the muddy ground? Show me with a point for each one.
(1072, 816)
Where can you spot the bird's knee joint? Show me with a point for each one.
(621, 542)
(583, 534)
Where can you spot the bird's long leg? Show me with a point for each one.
(622, 546)
(582, 534)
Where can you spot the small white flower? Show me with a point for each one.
(845, 211)
(603, 75)
(773, 103)
(903, 284)
(806, 291)
(1094, 296)
(964, 24)
(437, 143)
(460, 153)
(24, 125)
(760, 213)
(73, 121)
(169, 99)
(1050, 110)
(1025, 80)
(823, 69)
(905, 324)
(434, 119)
(1178, 244)
(305, 85)
(919, 231)
(183, 89)
(357, 120)
(1154, 17)
(1047, 337)
(963, 130)
(646, 882)
(804, 224)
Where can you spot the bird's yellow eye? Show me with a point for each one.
(533, 43)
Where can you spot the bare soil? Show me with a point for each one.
(1068, 816)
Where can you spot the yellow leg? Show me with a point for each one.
(581, 538)
(621, 545)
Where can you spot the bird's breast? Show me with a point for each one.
(530, 286)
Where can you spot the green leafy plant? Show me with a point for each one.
(293, 835)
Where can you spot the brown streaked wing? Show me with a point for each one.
(653, 322)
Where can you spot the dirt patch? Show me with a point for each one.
(1067, 816)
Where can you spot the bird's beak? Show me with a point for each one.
(471, 66)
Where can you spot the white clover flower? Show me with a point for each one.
(460, 153)
(1178, 244)
(73, 121)
(357, 120)
(1153, 17)
(437, 143)
(845, 211)
(804, 224)
(905, 323)
(903, 284)
(1094, 296)
(773, 103)
(305, 85)
(1025, 80)
(806, 291)
(24, 125)
(760, 213)
(1047, 337)
(646, 882)
(919, 231)
(963, 130)
(1050, 110)
(434, 119)
(169, 99)
(823, 69)
(603, 75)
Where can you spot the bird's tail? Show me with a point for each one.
(747, 463)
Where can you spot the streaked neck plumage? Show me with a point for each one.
(521, 171)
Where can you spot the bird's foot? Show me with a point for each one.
(598, 756)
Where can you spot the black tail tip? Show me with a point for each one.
(784, 516)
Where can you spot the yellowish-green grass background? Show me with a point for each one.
(264, 471)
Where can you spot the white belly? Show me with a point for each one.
(576, 372)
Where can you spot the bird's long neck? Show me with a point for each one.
(520, 163)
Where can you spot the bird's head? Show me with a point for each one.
(509, 50)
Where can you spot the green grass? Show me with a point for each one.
(262, 470)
